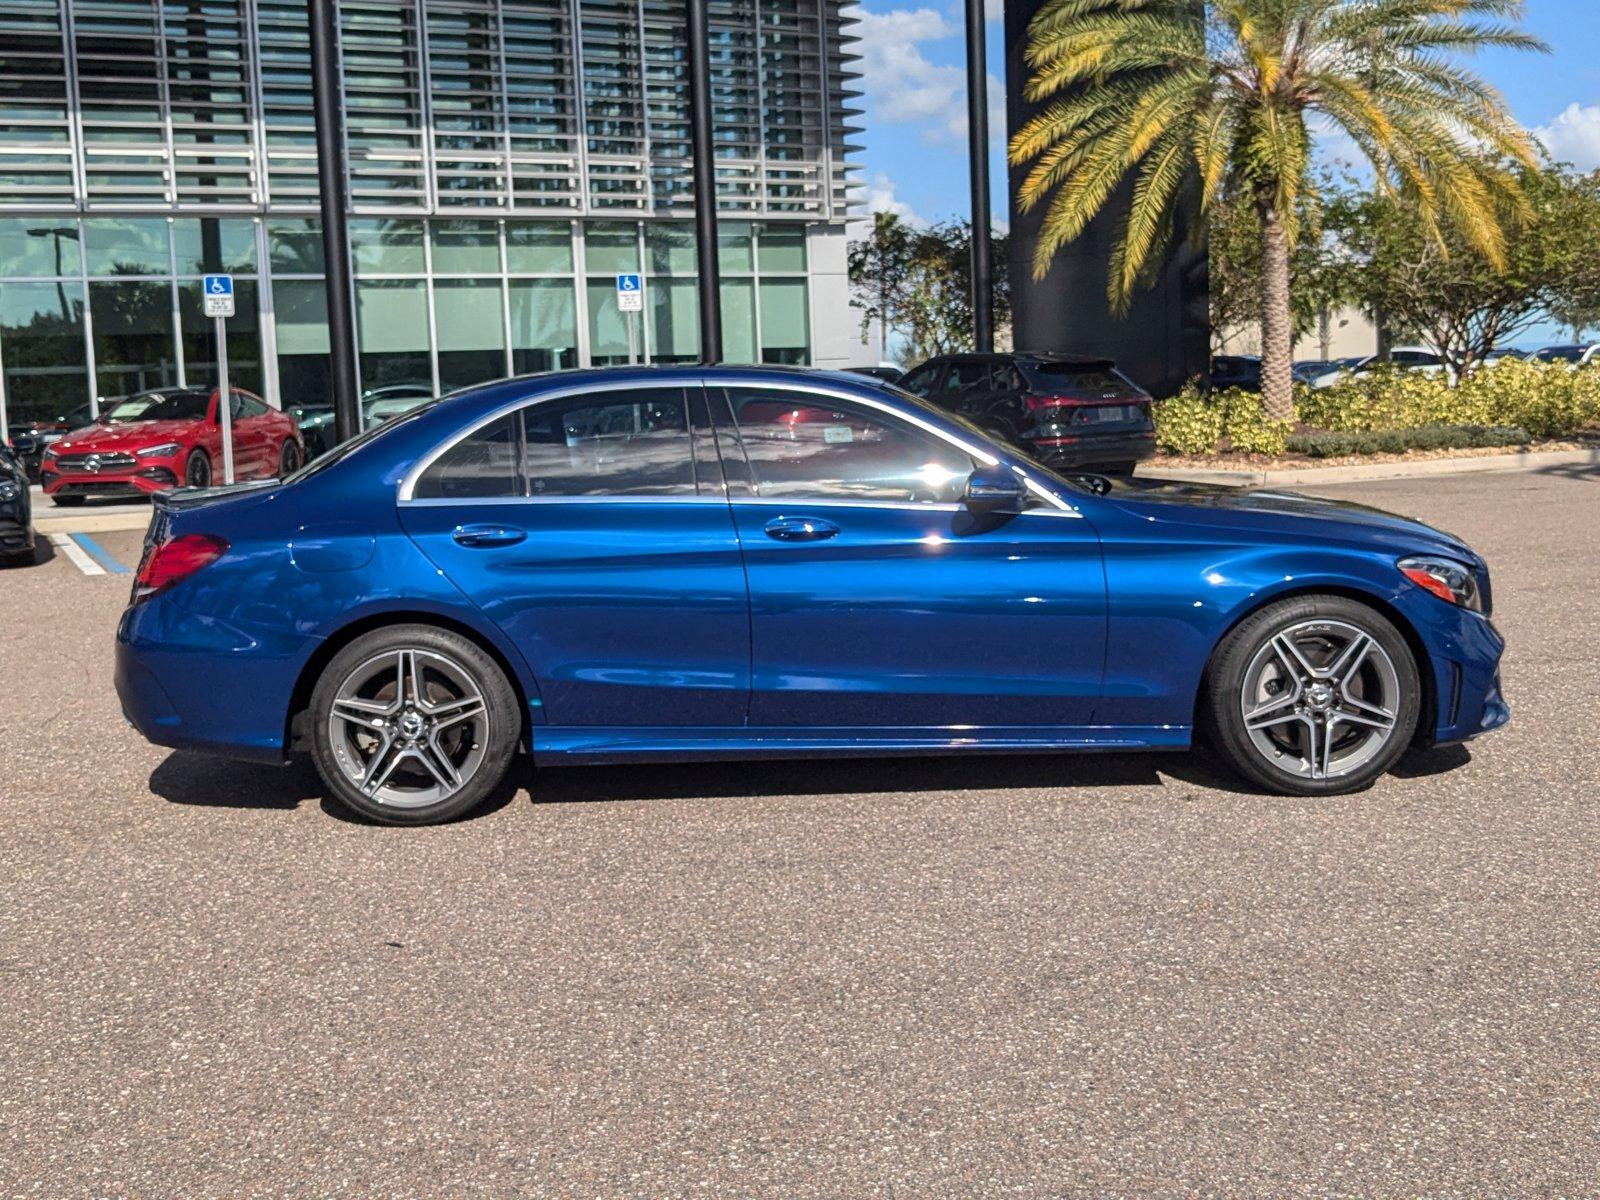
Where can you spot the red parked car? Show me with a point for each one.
(167, 438)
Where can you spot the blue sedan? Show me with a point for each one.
(698, 563)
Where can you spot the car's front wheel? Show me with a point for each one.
(288, 460)
(1316, 695)
(412, 725)
(197, 470)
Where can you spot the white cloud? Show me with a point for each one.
(903, 86)
(879, 196)
(1574, 136)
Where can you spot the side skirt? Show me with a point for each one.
(555, 744)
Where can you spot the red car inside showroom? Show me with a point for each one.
(161, 439)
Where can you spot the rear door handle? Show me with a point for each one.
(800, 529)
(484, 536)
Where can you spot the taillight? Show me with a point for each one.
(1035, 403)
(168, 563)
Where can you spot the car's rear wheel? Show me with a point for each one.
(413, 725)
(1313, 696)
(197, 470)
(288, 460)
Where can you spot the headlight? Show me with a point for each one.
(165, 450)
(1447, 580)
(8, 491)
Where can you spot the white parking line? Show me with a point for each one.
(75, 554)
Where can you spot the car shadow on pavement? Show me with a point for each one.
(1438, 760)
(855, 776)
(203, 781)
(1585, 472)
(43, 552)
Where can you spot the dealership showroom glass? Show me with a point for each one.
(506, 162)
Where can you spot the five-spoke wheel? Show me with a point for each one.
(413, 724)
(1314, 695)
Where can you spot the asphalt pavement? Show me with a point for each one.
(1037, 976)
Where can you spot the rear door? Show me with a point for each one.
(252, 431)
(593, 530)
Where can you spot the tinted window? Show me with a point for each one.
(247, 406)
(638, 446)
(921, 381)
(809, 446)
(1414, 358)
(1076, 376)
(967, 379)
(481, 465)
(1569, 354)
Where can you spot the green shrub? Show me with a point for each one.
(1188, 423)
(1346, 443)
(1548, 400)
(1247, 426)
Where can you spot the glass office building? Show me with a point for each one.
(507, 159)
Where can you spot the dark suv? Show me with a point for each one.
(1064, 410)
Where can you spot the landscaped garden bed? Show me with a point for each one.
(1386, 417)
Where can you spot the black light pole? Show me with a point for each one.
(328, 109)
(705, 183)
(978, 164)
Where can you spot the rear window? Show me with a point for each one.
(1071, 375)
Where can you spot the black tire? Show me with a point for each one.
(1250, 645)
(288, 460)
(502, 721)
(67, 501)
(197, 470)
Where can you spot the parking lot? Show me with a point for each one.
(1029, 976)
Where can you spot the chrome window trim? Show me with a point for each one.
(409, 482)
(669, 498)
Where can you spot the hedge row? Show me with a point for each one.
(1342, 444)
(1539, 400)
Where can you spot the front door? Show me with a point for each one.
(593, 531)
(877, 599)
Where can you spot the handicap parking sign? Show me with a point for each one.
(630, 293)
(217, 292)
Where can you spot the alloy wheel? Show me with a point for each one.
(198, 473)
(409, 727)
(1320, 699)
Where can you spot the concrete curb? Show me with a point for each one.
(1368, 472)
(91, 522)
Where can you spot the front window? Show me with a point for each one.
(806, 446)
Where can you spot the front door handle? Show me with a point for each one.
(800, 529)
(484, 536)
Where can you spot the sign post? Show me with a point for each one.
(630, 302)
(217, 292)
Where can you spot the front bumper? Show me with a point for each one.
(16, 535)
(143, 481)
(1464, 651)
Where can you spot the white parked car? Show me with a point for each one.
(1405, 358)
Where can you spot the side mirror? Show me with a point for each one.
(996, 489)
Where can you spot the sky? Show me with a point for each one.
(914, 161)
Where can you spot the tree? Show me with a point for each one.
(878, 266)
(1173, 91)
(1456, 296)
(918, 284)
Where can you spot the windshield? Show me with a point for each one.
(345, 450)
(158, 406)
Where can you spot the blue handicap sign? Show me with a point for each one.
(628, 283)
(217, 285)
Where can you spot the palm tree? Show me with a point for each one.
(1223, 95)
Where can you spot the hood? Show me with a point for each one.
(132, 436)
(1269, 511)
